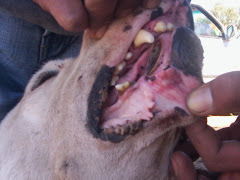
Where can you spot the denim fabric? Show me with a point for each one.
(31, 12)
(24, 47)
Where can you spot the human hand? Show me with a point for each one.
(184, 169)
(216, 97)
(75, 16)
(222, 95)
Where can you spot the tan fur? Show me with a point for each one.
(44, 137)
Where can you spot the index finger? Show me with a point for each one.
(125, 7)
(100, 12)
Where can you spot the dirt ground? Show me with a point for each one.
(218, 122)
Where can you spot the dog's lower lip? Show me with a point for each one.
(126, 129)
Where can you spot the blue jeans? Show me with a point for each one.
(24, 48)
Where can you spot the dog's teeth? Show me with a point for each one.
(122, 130)
(118, 129)
(120, 67)
(142, 37)
(128, 122)
(114, 80)
(160, 27)
(109, 130)
(128, 56)
(122, 87)
(170, 27)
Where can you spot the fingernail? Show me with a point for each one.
(200, 100)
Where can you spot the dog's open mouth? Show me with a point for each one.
(162, 65)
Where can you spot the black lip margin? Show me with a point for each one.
(97, 97)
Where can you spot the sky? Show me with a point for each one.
(208, 4)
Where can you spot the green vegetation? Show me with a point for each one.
(227, 15)
(203, 20)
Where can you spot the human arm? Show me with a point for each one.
(221, 95)
(77, 15)
(72, 15)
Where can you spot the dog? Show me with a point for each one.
(114, 112)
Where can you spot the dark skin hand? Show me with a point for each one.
(74, 16)
(221, 95)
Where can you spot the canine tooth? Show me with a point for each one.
(114, 80)
(143, 36)
(128, 56)
(120, 67)
(170, 26)
(160, 27)
(122, 87)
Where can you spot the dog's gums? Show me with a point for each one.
(161, 66)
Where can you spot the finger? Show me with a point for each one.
(201, 177)
(222, 95)
(183, 167)
(125, 7)
(70, 14)
(100, 14)
(230, 176)
(150, 4)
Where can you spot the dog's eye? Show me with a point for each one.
(43, 77)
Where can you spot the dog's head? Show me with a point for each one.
(118, 105)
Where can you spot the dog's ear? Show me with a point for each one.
(48, 71)
(43, 77)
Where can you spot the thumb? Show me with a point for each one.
(222, 95)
